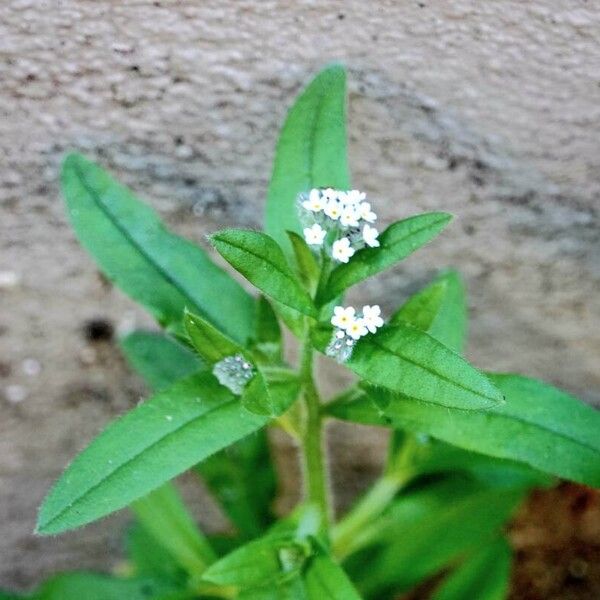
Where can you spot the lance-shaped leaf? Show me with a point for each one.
(150, 445)
(311, 151)
(485, 575)
(158, 358)
(240, 476)
(410, 361)
(398, 241)
(160, 270)
(261, 261)
(429, 529)
(440, 309)
(538, 424)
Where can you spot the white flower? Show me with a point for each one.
(371, 317)
(370, 236)
(330, 194)
(314, 203)
(343, 317)
(365, 212)
(314, 235)
(349, 217)
(333, 209)
(354, 197)
(342, 250)
(357, 329)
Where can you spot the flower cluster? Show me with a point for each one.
(234, 372)
(342, 217)
(350, 326)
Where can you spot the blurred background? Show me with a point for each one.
(488, 110)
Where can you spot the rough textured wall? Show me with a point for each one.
(490, 110)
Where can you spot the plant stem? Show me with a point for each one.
(350, 534)
(312, 442)
(346, 536)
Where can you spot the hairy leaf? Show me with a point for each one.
(539, 425)
(440, 309)
(158, 358)
(311, 151)
(160, 270)
(485, 575)
(262, 262)
(409, 361)
(397, 242)
(150, 445)
(209, 342)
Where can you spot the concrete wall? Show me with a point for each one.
(490, 110)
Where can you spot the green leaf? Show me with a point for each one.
(326, 580)
(408, 546)
(268, 331)
(160, 270)
(410, 361)
(243, 479)
(539, 425)
(485, 575)
(208, 341)
(289, 589)
(306, 262)
(158, 358)
(165, 516)
(397, 242)
(92, 586)
(149, 558)
(440, 309)
(311, 151)
(147, 447)
(261, 261)
(266, 560)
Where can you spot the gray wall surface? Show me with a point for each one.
(490, 110)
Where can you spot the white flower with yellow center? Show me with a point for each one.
(349, 217)
(314, 235)
(357, 329)
(342, 250)
(333, 209)
(365, 213)
(343, 317)
(369, 235)
(372, 317)
(315, 202)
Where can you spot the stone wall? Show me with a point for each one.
(490, 110)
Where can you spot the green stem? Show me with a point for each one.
(312, 442)
(346, 536)
(350, 534)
